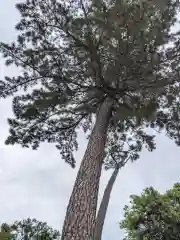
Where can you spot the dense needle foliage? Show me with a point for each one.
(74, 54)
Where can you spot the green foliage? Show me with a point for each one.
(5, 233)
(74, 54)
(5, 236)
(28, 229)
(153, 215)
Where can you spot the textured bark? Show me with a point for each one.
(104, 205)
(80, 217)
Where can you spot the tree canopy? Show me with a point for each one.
(72, 55)
(153, 215)
(29, 229)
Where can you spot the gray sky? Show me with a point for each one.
(38, 183)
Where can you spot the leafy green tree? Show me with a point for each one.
(30, 229)
(5, 233)
(86, 60)
(5, 236)
(153, 215)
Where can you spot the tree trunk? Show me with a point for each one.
(104, 205)
(80, 217)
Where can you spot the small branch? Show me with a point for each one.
(117, 164)
(21, 84)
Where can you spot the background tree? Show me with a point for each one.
(101, 214)
(84, 59)
(29, 229)
(153, 215)
(5, 233)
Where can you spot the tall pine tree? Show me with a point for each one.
(86, 60)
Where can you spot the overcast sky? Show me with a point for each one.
(38, 183)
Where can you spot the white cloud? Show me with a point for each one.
(38, 183)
